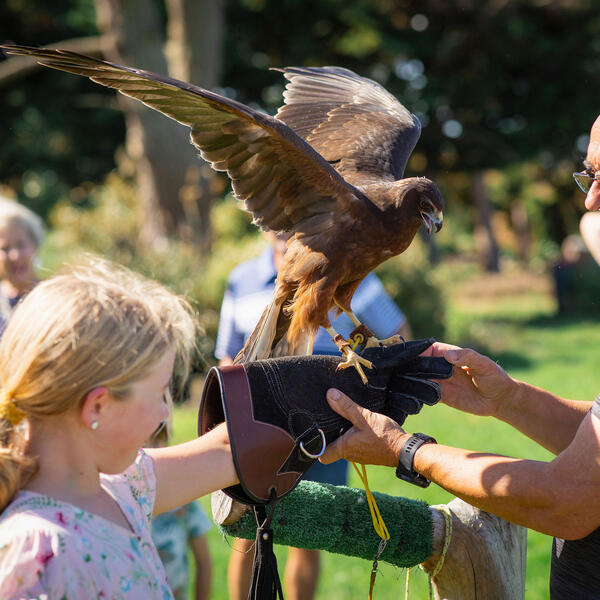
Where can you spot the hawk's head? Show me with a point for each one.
(420, 200)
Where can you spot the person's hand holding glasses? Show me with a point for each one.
(584, 179)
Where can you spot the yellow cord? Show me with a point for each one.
(378, 524)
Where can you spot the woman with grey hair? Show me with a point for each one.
(21, 234)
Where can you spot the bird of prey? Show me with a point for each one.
(327, 169)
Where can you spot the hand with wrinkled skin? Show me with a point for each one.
(374, 439)
(479, 385)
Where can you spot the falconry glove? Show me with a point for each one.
(278, 418)
(406, 377)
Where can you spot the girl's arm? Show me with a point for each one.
(187, 471)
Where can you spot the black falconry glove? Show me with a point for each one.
(277, 414)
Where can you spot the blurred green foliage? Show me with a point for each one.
(58, 131)
(109, 225)
(496, 85)
(500, 87)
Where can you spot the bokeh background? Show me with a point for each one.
(506, 94)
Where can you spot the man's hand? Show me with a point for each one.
(478, 386)
(374, 438)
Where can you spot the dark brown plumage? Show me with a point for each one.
(327, 169)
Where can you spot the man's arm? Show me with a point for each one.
(557, 498)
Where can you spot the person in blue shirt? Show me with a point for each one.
(249, 289)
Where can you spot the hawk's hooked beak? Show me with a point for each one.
(432, 218)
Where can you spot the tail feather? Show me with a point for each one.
(302, 347)
(270, 337)
(260, 342)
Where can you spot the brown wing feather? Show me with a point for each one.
(274, 172)
(352, 121)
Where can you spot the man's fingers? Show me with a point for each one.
(334, 451)
(439, 349)
(465, 357)
(346, 407)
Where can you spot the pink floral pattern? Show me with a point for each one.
(51, 549)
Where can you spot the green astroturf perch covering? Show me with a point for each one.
(319, 516)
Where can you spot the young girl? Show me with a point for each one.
(85, 365)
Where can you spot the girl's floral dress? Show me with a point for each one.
(53, 550)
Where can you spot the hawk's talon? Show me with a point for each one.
(373, 342)
(352, 359)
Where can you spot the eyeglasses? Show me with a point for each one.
(584, 179)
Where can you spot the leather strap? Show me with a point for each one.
(259, 449)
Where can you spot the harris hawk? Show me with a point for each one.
(327, 169)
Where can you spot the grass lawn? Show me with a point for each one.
(510, 318)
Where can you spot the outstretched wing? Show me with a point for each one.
(353, 122)
(281, 180)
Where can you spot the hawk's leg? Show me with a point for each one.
(352, 359)
(362, 335)
(350, 314)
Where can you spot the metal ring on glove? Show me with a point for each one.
(307, 453)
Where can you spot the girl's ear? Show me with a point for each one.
(95, 406)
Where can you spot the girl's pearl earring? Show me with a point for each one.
(94, 425)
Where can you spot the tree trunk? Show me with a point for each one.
(194, 52)
(485, 240)
(167, 167)
(195, 32)
(522, 229)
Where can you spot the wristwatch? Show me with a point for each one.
(405, 470)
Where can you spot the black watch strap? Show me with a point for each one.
(405, 469)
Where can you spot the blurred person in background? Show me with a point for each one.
(249, 289)
(557, 498)
(174, 533)
(21, 235)
(568, 270)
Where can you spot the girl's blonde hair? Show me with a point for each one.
(13, 213)
(95, 325)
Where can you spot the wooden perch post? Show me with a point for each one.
(485, 559)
